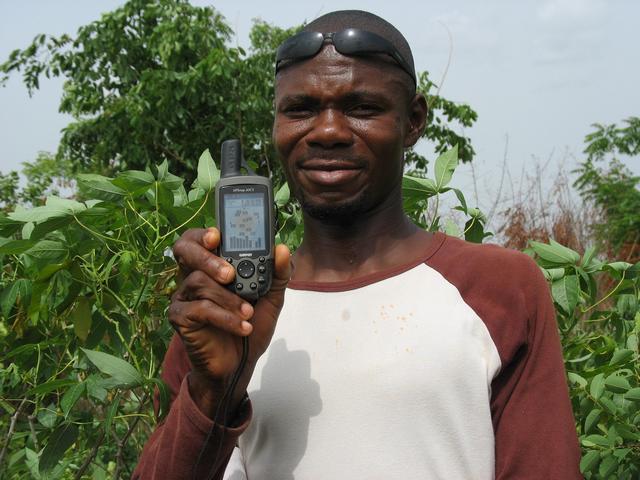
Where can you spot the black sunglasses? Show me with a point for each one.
(351, 41)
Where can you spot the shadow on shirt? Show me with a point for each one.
(288, 397)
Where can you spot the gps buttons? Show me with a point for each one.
(245, 269)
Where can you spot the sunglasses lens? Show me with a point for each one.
(302, 45)
(351, 41)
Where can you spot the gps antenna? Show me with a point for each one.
(231, 158)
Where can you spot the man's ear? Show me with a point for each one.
(417, 119)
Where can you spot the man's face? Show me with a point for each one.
(340, 128)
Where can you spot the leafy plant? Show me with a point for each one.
(85, 285)
(613, 189)
(600, 334)
(83, 293)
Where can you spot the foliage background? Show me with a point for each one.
(85, 280)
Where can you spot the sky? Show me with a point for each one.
(539, 73)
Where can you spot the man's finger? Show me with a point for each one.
(188, 317)
(282, 267)
(199, 286)
(192, 252)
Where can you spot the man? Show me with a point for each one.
(398, 353)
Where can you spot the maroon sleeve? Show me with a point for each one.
(174, 447)
(535, 434)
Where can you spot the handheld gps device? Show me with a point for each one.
(245, 216)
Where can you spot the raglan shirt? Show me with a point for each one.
(448, 366)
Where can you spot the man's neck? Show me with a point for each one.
(372, 243)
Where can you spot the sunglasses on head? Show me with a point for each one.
(351, 41)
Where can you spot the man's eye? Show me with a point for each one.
(364, 109)
(298, 110)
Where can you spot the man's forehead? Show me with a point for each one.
(329, 62)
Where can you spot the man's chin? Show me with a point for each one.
(335, 213)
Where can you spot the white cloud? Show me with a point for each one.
(565, 12)
(569, 31)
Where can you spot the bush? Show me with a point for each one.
(600, 343)
(84, 290)
(85, 285)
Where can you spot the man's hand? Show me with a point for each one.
(212, 320)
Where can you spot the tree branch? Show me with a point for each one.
(123, 441)
(90, 458)
(12, 426)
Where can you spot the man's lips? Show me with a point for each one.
(329, 172)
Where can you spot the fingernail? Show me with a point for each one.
(209, 237)
(226, 272)
(246, 326)
(246, 309)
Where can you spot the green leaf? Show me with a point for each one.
(608, 465)
(617, 266)
(627, 432)
(100, 187)
(95, 388)
(621, 356)
(165, 197)
(8, 226)
(27, 228)
(48, 226)
(461, 199)
(40, 214)
(163, 395)
(633, 394)
(71, 396)
(592, 419)
(592, 440)
(282, 195)
(565, 292)
(451, 228)
(587, 257)
(577, 379)
(133, 181)
(555, 253)
(48, 250)
(81, 317)
(609, 405)
(15, 247)
(51, 385)
(195, 194)
(597, 386)
(59, 442)
(18, 292)
(161, 170)
(617, 384)
(445, 166)
(172, 182)
(47, 416)
(111, 413)
(70, 206)
(422, 188)
(553, 273)
(590, 461)
(208, 174)
(123, 372)
(474, 230)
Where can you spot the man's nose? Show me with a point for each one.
(330, 130)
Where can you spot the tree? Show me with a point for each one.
(613, 189)
(157, 80)
(46, 175)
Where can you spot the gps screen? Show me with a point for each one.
(244, 222)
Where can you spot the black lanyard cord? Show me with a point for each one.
(223, 407)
